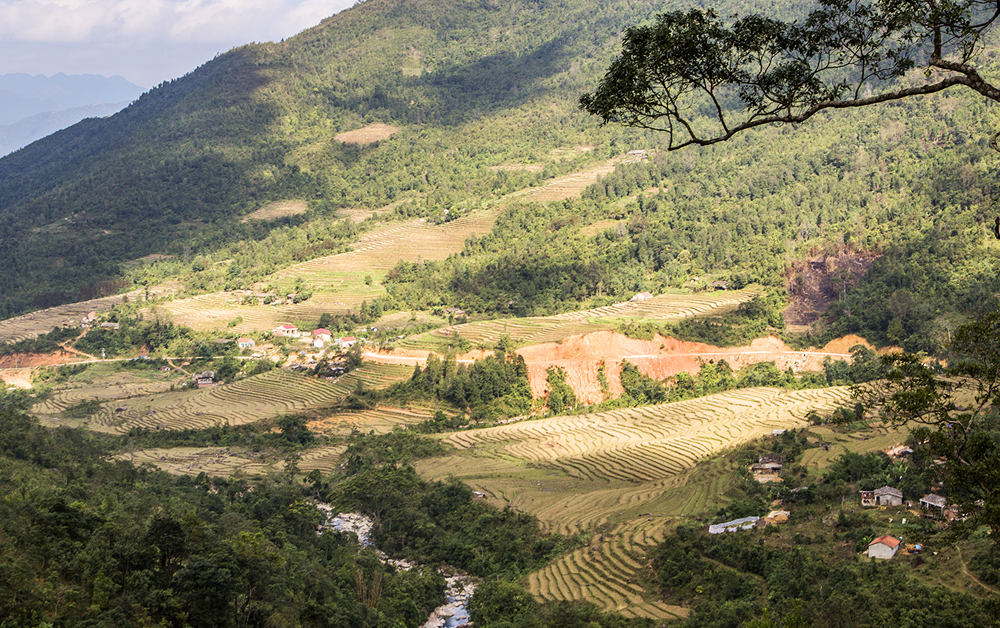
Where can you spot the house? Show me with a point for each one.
(885, 496)
(884, 547)
(346, 342)
(768, 464)
(745, 523)
(888, 496)
(287, 331)
(934, 504)
(323, 335)
(114, 326)
(642, 296)
(720, 285)
(246, 343)
(205, 379)
(767, 468)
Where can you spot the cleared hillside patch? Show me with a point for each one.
(372, 133)
(339, 281)
(572, 185)
(278, 209)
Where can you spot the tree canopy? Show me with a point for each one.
(702, 79)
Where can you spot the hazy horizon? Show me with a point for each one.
(145, 42)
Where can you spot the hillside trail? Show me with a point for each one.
(179, 369)
(962, 561)
(66, 347)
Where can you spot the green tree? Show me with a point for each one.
(703, 79)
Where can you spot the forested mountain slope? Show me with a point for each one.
(484, 96)
(193, 156)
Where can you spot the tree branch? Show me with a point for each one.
(831, 104)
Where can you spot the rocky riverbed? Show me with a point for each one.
(460, 587)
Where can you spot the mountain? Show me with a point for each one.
(32, 107)
(26, 131)
(484, 99)
(23, 96)
(185, 162)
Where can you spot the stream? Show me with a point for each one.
(460, 587)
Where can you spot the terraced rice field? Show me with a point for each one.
(224, 462)
(541, 329)
(326, 459)
(120, 385)
(213, 461)
(214, 311)
(857, 442)
(576, 473)
(606, 572)
(623, 520)
(252, 399)
(43, 321)
(651, 443)
(381, 420)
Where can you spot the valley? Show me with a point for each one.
(391, 268)
(619, 481)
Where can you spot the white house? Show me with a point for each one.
(642, 296)
(287, 331)
(346, 342)
(246, 343)
(746, 523)
(884, 547)
(322, 335)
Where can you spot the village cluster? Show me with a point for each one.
(932, 505)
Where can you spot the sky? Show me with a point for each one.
(145, 41)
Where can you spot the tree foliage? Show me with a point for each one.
(752, 71)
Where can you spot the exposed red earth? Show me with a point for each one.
(661, 357)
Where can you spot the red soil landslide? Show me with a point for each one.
(661, 357)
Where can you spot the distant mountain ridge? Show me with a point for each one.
(28, 130)
(32, 107)
(23, 95)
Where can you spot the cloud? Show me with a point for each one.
(168, 21)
